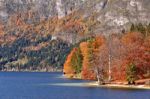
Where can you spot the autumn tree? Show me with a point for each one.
(146, 57)
(86, 50)
(115, 56)
(99, 59)
(68, 68)
(73, 62)
(94, 59)
(136, 53)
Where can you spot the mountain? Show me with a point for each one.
(111, 13)
(31, 27)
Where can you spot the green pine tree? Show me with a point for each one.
(131, 73)
(132, 28)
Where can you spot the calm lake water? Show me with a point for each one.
(25, 85)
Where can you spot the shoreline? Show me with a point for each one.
(118, 86)
(58, 70)
(112, 85)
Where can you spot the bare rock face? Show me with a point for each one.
(114, 15)
(121, 13)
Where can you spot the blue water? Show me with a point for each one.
(25, 85)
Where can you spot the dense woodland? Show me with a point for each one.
(28, 43)
(122, 57)
(20, 57)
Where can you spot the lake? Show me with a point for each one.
(26, 85)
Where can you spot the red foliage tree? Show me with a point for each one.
(136, 53)
(68, 68)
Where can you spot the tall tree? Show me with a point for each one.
(73, 63)
(99, 59)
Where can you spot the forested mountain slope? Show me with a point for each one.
(40, 33)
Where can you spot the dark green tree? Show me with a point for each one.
(141, 29)
(76, 61)
(131, 73)
(148, 30)
(133, 28)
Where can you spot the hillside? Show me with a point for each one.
(35, 34)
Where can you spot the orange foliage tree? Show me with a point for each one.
(89, 50)
(68, 68)
(100, 59)
(86, 73)
(73, 62)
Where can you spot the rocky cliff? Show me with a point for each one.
(110, 13)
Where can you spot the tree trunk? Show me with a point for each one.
(109, 71)
(99, 79)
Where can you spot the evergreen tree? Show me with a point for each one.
(141, 29)
(131, 73)
(77, 61)
(132, 28)
(148, 30)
